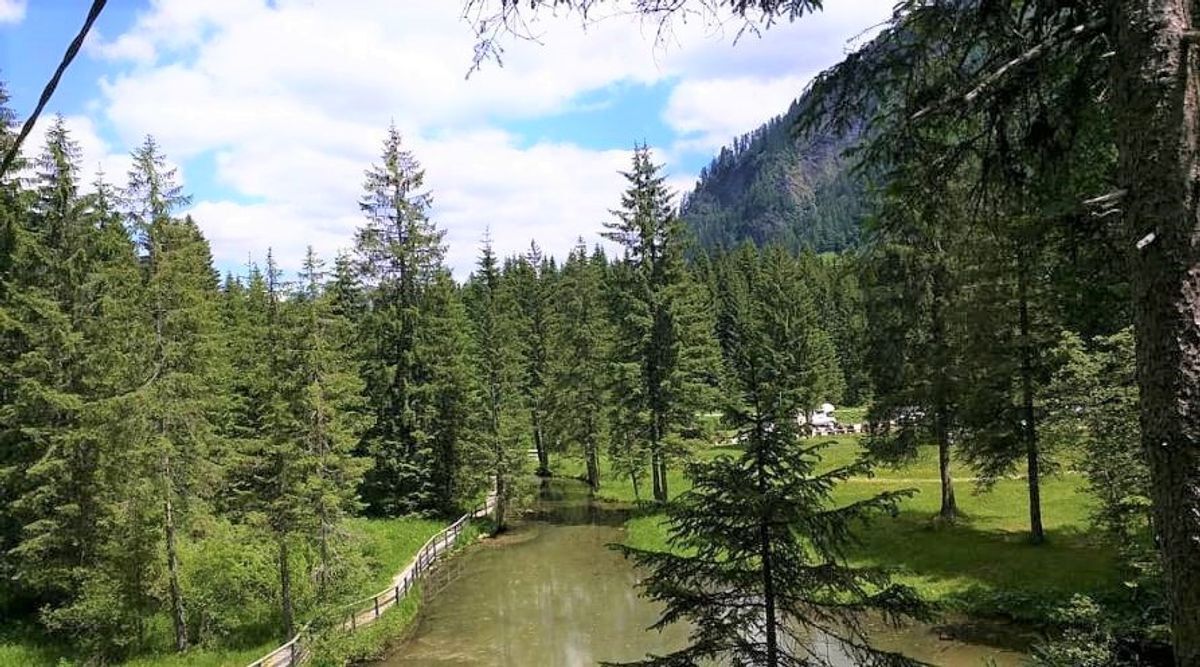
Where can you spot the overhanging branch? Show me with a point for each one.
(11, 154)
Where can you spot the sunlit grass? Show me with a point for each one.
(389, 545)
(984, 562)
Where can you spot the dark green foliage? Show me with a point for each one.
(412, 379)
(664, 355)
(580, 377)
(499, 454)
(774, 186)
(531, 279)
(757, 550)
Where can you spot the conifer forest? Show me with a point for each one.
(910, 376)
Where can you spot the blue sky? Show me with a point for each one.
(271, 110)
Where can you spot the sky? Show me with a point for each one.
(272, 109)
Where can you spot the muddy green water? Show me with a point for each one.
(550, 593)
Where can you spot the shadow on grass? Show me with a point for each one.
(990, 571)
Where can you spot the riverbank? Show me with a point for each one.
(552, 591)
(386, 545)
(393, 626)
(982, 565)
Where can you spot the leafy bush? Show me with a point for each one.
(230, 575)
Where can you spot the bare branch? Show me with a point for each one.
(72, 49)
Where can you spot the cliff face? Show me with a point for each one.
(776, 185)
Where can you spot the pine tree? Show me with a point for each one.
(58, 504)
(916, 339)
(444, 343)
(756, 551)
(531, 279)
(1009, 328)
(179, 445)
(663, 338)
(106, 616)
(498, 362)
(399, 254)
(580, 378)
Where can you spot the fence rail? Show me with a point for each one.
(367, 610)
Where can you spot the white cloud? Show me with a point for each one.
(95, 153)
(12, 11)
(291, 98)
(707, 113)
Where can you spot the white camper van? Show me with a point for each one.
(820, 418)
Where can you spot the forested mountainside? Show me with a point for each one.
(778, 185)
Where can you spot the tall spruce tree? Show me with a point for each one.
(444, 342)
(916, 337)
(329, 415)
(756, 550)
(399, 253)
(11, 454)
(105, 617)
(58, 501)
(532, 277)
(580, 378)
(498, 362)
(1006, 362)
(178, 444)
(663, 332)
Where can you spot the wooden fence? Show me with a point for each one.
(367, 610)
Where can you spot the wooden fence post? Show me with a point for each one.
(376, 601)
(292, 657)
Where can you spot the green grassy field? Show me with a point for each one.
(389, 545)
(982, 564)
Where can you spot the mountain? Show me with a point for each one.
(777, 185)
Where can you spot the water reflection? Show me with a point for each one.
(545, 594)
(551, 593)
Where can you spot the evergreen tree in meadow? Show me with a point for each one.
(178, 447)
(1006, 359)
(531, 279)
(498, 358)
(756, 548)
(399, 257)
(916, 335)
(330, 416)
(663, 342)
(58, 502)
(580, 377)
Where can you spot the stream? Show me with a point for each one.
(549, 592)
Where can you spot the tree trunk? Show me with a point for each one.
(285, 589)
(662, 478)
(949, 510)
(655, 480)
(637, 495)
(941, 411)
(178, 617)
(1037, 534)
(539, 443)
(323, 580)
(593, 464)
(501, 502)
(767, 560)
(1157, 102)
